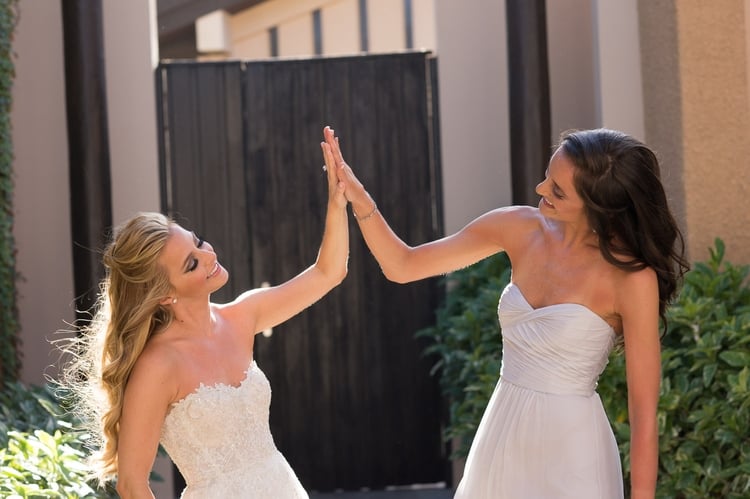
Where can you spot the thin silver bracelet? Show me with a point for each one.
(362, 219)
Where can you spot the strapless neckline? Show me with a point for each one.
(580, 306)
(202, 387)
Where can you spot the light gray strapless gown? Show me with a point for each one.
(544, 434)
(220, 439)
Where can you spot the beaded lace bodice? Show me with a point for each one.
(219, 438)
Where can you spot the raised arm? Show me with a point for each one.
(403, 263)
(268, 307)
(638, 304)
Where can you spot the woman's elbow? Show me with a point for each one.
(334, 277)
(396, 276)
(341, 276)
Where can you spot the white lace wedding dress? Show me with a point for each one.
(544, 434)
(220, 439)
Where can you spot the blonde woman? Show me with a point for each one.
(165, 364)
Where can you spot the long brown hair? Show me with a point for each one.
(619, 180)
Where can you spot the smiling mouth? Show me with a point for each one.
(544, 200)
(214, 271)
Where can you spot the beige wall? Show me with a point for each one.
(570, 46)
(296, 36)
(473, 90)
(386, 25)
(662, 96)
(41, 199)
(696, 97)
(340, 31)
(424, 27)
(617, 66)
(131, 55)
(42, 211)
(716, 128)
(594, 66)
(340, 27)
(292, 18)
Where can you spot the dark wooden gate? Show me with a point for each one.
(353, 402)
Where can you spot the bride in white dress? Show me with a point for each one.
(595, 263)
(161, 363)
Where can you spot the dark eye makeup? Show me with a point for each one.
(198, 243)
(193, 265)
(198, 240)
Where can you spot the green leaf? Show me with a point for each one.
(709, 370)
(736, 358)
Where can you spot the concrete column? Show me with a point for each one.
(570, 49)
(131, 51)
(472, 55)
(41, 197)
(617, 65)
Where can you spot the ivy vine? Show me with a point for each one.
(9, 328)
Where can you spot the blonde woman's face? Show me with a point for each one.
(192, 266)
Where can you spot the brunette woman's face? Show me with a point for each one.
(191, 263)
(560, 200)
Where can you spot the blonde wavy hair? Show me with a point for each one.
(128, 313)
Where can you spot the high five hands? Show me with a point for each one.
(333, 160)
(352, 188)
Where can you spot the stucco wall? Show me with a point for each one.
(696, 115)
(716, 128)
(571, 56)
(472, 68)
(41, 196)
(662, 96)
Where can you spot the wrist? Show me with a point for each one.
(363, 210)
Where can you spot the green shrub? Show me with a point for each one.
(44, 465)
(28, 408)
(704, 408)
(40, 453)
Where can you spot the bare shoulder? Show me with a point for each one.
(517, 214)
(510, 218)
(241, 313)
(157, 370)
(641, 283)
(514, 225)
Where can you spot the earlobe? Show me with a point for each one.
(169, 300)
